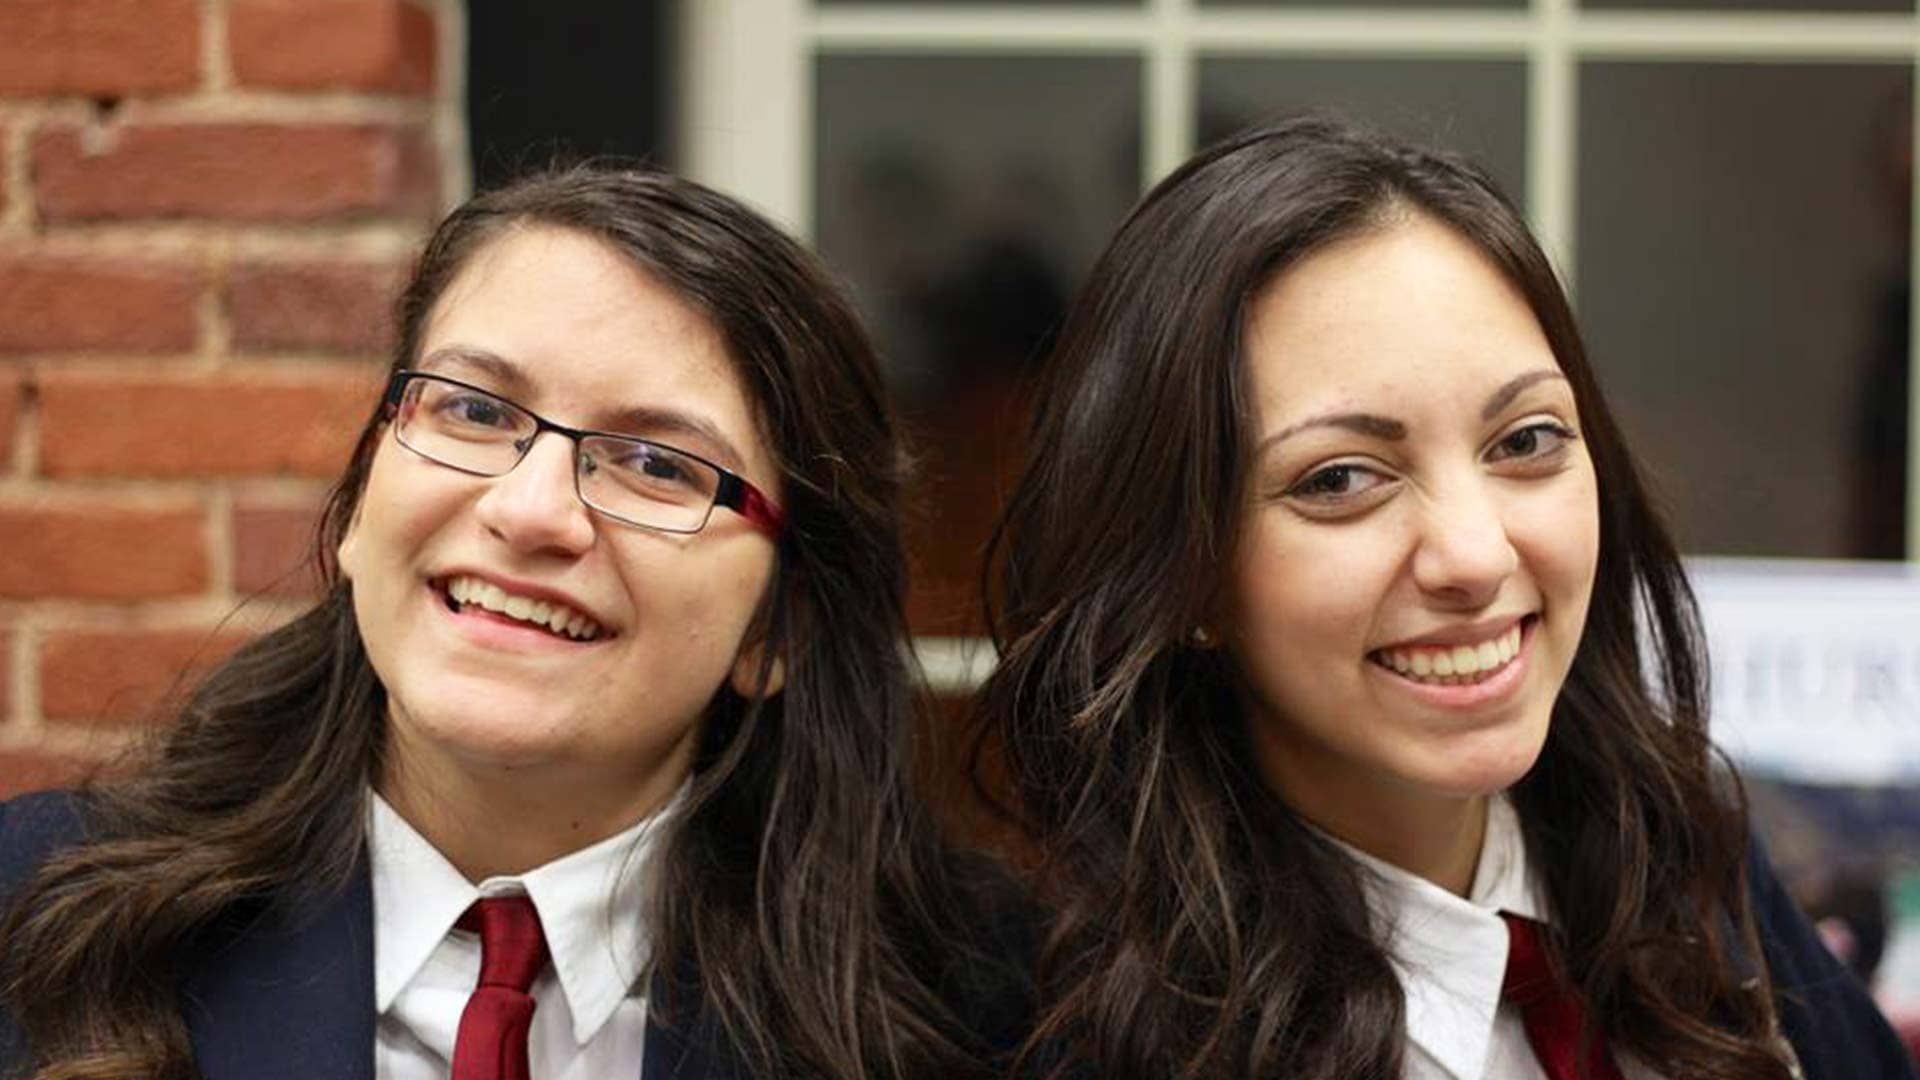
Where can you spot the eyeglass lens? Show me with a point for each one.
(631, 479)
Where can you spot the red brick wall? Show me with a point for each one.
(204, 208)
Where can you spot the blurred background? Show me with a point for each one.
(206, 204)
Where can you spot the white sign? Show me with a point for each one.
(1816, 666)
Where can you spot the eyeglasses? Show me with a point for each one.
(637, 481)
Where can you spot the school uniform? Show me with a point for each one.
(332, 990)
(1451, 953)
(590, 1013)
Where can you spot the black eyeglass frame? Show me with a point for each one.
(735, 492)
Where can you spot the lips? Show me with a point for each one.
(1455, 663)
(463, 592)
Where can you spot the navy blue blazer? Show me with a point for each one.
(292, 999)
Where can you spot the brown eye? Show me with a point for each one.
(1335, 483)
(1532, 441)
(1338, 480)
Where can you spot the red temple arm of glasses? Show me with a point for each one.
(759, 510)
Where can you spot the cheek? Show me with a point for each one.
(1562, 539)
(399, 509)
(1306, 597)
(706, 603)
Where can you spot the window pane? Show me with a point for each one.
(1743, 252)
(964, 198)
(1476, 107)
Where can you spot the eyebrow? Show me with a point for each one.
(629, 421)
(1391, 430)
(1504, 396)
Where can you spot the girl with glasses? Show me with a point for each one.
(1351, 687)
(592, 759)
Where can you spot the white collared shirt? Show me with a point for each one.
(1451, 956)
(590, 1012)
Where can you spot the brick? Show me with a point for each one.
(273, 550)
(236, 423)
(99, 48)
(235, 172)
(379, 45)
(119, 676)
(101, 552)
(24, 771)
(12, 400)
(52, 304)
(340, 308)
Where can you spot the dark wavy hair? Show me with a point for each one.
(1203, 930)
(802, 886)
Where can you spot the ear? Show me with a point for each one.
(745, 677)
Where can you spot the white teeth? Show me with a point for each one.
(556, 617)
(1456, 665)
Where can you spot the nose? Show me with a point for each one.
(1465, 552)
(535, 507)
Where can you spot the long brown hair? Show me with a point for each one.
(802, 888)
(1202, 929)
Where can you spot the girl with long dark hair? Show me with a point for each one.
(1350, 687)
(596, 748)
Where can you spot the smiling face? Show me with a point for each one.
(1421, 530)
(520, 636)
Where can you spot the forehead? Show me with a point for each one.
(590, 337)
(1411, 310)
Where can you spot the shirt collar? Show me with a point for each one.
(591, 904)
(1451, 953)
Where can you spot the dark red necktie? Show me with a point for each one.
(1551, 1009)
(492, 1044)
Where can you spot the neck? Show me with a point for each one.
(1438, 840)
(1435, 836)
(500, 821)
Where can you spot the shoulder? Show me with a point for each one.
(1826, 1014)
(32, 828)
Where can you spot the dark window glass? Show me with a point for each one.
(1476, 107)
(549, 82)
(1743, 253)
(963, 198)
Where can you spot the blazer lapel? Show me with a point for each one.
(695, 1045)
(288, 998)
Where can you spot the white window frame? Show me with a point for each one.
(747, 85)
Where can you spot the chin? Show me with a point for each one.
(1480, 771)
(499, 726)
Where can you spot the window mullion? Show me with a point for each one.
(1552, 115)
